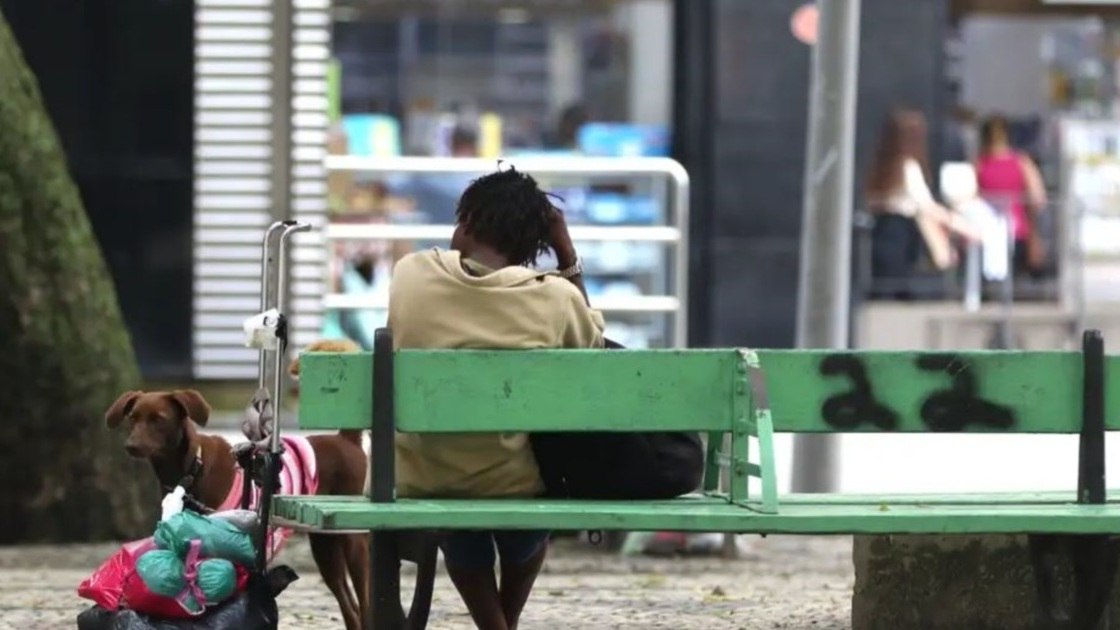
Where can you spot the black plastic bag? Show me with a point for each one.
(619, 466)
(254, 609)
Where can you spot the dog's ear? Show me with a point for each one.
(193, 404)
(118, 410)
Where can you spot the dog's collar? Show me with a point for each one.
(194, 470)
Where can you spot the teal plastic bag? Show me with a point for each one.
(220, 538)
(217, 578)
(162, 572)
(165, 574)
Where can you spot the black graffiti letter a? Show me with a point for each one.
(848, 410)
(955, 408)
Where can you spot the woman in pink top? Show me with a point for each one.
(1010, 181)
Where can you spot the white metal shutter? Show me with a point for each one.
(311, 33)
(233, 164)
(234, 178)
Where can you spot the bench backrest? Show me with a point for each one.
(740, 393)
(467, 391)
(701, 390)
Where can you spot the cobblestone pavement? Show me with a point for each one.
(779, 583)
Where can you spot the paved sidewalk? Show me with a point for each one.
(780, 582)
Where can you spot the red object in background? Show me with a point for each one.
(803, 24)
(116, 584)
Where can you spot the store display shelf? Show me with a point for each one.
(586, 168)
(627, 215)
(605, 303)
(404, 232)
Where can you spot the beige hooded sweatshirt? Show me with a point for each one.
(435, 303)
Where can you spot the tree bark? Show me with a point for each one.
(66, 354)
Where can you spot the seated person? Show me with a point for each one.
(909, 223)
(483, 294)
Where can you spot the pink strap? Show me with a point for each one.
(190, 576)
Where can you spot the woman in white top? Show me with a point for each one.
(909, 221)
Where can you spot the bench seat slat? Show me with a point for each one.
(706, 514)
(966, 498)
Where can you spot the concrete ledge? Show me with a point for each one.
(946, 325)
(958, 582)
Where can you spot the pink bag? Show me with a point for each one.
(105, 587)
(116, 584)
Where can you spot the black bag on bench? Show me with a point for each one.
(619, 466)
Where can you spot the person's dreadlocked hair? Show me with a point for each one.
(509, 212)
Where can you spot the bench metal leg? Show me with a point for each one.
(1093, 558)
(386, 553)
(388, 547)
(1094, 571)
(1094, 562)
(385, 582)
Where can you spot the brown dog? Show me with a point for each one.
(163, 429)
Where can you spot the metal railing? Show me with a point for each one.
(585, 170)
(1060, 282)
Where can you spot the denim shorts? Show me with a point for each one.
(469, 549)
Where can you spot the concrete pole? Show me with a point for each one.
(281, 133)
(824, 283)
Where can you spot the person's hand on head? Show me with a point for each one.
(561, 240)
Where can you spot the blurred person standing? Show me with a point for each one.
(909, 222)
(437, 194)
(1010, 181)
(566, 135)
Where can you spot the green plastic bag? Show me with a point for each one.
(220, 538)
(164, 574)
(217, 578)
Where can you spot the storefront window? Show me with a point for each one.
(513, 77)
(414, 83)
(1052, 79)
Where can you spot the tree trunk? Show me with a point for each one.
(66, 354)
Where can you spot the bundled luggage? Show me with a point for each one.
(191, 564)
(208, 572)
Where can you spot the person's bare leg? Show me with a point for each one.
(479, 590)
(517, 583)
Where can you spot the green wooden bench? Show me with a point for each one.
(748, 395)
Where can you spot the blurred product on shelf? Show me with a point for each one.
(626, 229)
(372, 135)
(489, 135)
(614, 208)
(624, 140)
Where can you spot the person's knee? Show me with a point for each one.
(468, 550)
(519, 547)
